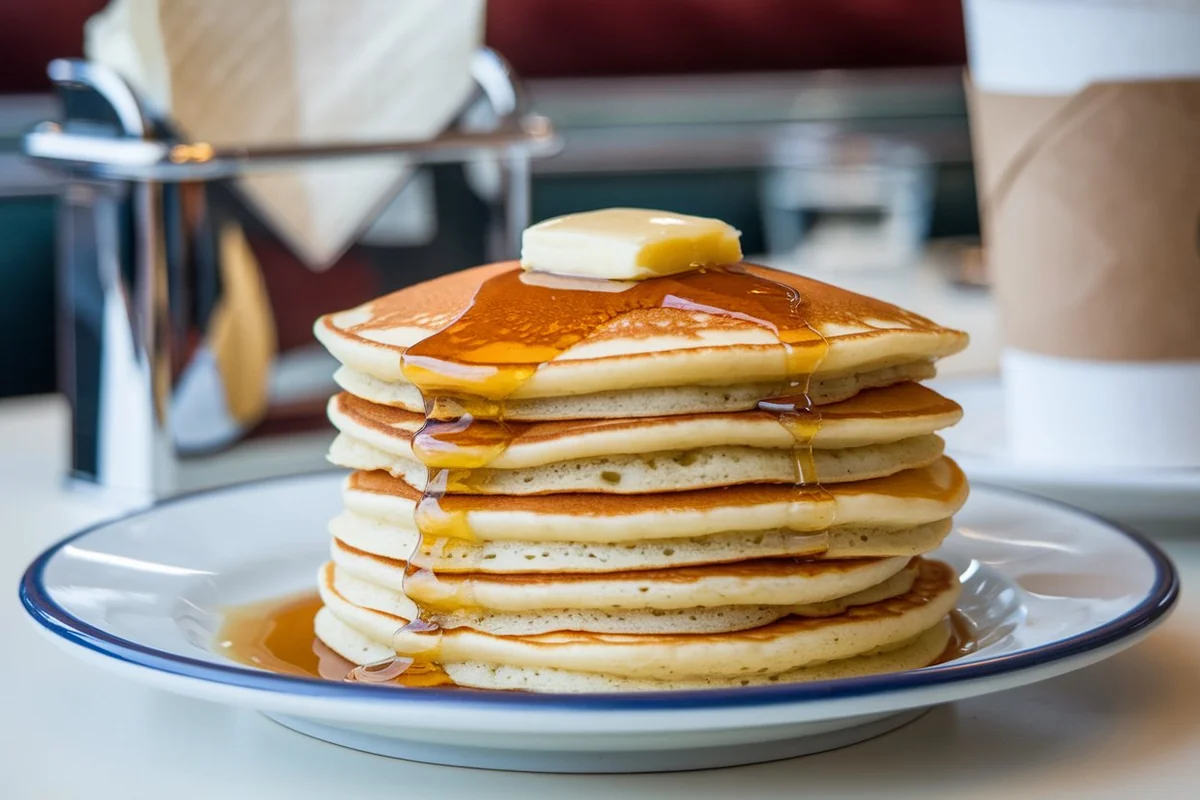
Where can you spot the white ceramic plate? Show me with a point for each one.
(979, 443)
(1048, 589)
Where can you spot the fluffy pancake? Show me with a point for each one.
(671, 471)
(919, 652)
(650, 401)
(787, 644)
(875, 416)
(910, 498)
(357, 648)
(364, 593)
(775, 581)
(666, 346)
(450, 556)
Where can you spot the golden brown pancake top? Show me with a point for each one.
(434, 304)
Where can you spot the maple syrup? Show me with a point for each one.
(277, 635)
(512, 326)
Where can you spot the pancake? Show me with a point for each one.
(365, 593)
(919, 652)
(775, 581)
(650, 401)
(359, 649)
(456, 555)
(787, 644)
(689, 333)
(875, 416)
(910, 498)
(651, 473)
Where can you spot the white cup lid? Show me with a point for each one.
(1060, 46)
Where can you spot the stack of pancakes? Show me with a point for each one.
(622, 503)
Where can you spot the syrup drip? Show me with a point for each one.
(802, 421)
(380, 672)
(460, 444)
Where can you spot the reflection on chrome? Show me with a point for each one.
(125, 562)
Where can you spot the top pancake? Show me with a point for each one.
(670, 346)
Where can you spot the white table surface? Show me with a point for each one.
(1129, 727)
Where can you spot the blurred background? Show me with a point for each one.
(725, 117)
(832, 133)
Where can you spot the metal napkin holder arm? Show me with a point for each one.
(125, 313)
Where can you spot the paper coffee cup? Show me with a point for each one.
(1085, 118)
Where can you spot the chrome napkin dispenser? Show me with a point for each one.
(167, 346)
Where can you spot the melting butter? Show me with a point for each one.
(628, 244)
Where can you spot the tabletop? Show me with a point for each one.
(1127, 726)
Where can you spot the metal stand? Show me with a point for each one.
(139, 278)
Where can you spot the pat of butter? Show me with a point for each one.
(628, 244)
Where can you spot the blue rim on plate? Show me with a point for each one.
(54, 618)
